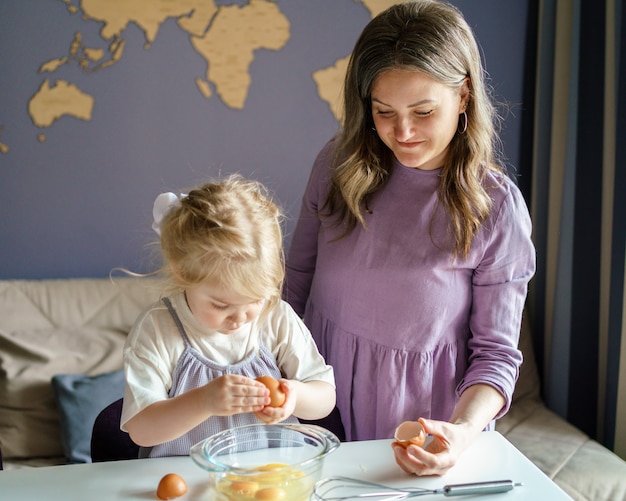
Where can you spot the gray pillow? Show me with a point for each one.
(80, 398)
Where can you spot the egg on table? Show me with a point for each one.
(171, 486)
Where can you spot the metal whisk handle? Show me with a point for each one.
(479, 488)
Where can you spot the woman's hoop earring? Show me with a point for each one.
(464, 129)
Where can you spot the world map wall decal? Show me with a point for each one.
(225, 36)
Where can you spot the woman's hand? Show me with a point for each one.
(271, 415)
(446, 443)
(478, 405)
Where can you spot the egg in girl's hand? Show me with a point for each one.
(171, 486)
(410, 433)
(277, 396)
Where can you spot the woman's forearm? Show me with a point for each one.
(478, 405)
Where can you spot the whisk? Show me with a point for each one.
(345, 488)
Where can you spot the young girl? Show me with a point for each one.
(191, 359)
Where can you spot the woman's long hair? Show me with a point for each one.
(433, 38)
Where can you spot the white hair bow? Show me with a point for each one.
(164, 203)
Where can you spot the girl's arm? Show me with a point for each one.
(169, 419)
(316, 399)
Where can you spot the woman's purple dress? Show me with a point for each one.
(406, 327)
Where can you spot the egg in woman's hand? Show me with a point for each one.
(171, 486)
(277, 396)
(410, 433)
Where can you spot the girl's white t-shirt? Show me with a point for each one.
(154, 346)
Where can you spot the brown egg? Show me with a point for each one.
(171, 486)
(244, 488)
(270, 494)
(410, 433)
(277, 396)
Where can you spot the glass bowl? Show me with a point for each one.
(271, 462)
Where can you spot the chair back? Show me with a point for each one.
(108, 442)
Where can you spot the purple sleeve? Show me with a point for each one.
(302, 253)
(499, 288)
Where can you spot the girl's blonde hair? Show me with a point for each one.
(227, 233)
(431, 37)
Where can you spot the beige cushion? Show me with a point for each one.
(57, 326)
(593, 461)
(583, 468)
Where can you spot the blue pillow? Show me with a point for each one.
(80, 399)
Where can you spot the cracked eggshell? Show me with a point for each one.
(410, 433)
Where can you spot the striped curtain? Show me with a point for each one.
(577, 300)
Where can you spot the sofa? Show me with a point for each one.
(60, 364)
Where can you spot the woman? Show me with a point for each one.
(412, 254)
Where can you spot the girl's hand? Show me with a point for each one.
(440, 453)
(234, 394)
(271, 415)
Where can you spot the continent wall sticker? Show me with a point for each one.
(329, 80)
(3, 147)
(226, 36)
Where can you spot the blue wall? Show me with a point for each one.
(79, 203)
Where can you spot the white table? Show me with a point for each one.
(491, 457)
